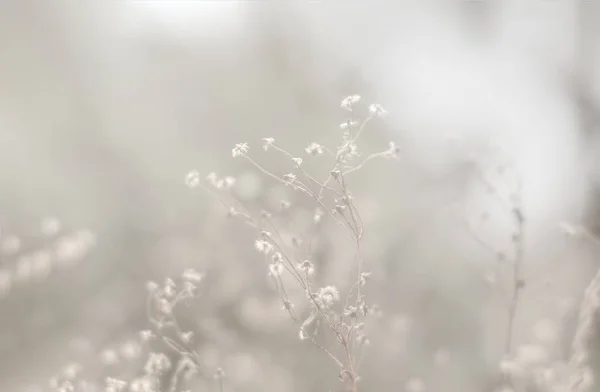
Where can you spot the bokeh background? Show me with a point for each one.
(105, 106)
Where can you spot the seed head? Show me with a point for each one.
(239, 149)
(267, 142)
(349, 102)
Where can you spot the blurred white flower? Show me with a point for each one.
(157, 364)
(263, 246)
(393, 151)
(348, 124)
(267, 142)
(314, 149)
(192, 275)
(377, 110)
(350, 101)
(297, 162)
(329, 295)
(239, 149)
(192, 179)
(307, 267)
(114, 385)
(276, 269)
(146, 335)
(289, 178)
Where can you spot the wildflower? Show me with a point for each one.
(329, 295)
(212, 178)
(189, 288)
(377, 109)
(348, 124)
(297, 162)
(239, 149)
(351, 312)
(191, 275)
(192, 179)
(65, 386)
(277, 257)
(289, 178)
(362, 339)
(285, 204)
(307, 267)
(263, 246)
(157, 363)
(392, 152)
(275, 269)
(268, 142)
(364, 277)
(314, 149)
(143, 384)
(348, 102)
(114, 385)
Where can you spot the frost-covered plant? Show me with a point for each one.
(343, 314)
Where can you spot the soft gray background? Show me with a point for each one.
(106, 105)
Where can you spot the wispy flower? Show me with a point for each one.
(289, 178)
(239, 149)
(378, 110)
(267, 142)
(350, 101)
(314, 149)
(348, 124)
(297, 162)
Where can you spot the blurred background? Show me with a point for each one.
(105, 106)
